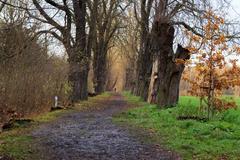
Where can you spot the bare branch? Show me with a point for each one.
(2, 5)
(54, 34)
(188, 27)
(47, 17)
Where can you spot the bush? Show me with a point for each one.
(29, 76)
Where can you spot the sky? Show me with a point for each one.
(234, 10)
(234, 14)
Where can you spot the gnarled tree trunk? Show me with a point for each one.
(169, 72)
(168, 90)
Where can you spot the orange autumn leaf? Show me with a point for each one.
(179, 61)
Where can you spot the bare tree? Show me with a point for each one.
(67, 23)
(108, 14)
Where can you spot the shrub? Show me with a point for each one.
(29, 76)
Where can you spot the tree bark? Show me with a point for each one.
(78, 79)
(129, 79)
(100, 68)
(144, 69)
(169, 72)
(170, 80)
(144, 61)
(78, 83)
(152, 93)
(143, 76)
(79, 55)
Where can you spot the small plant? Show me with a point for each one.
(214, 71)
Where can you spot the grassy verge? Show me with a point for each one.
(17, 142)
(215, 139)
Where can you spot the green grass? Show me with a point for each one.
(214, 139)
(17, 142)
(188, 100)
(51, 116)
(18, 147)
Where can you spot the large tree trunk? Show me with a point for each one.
(129, 79)
(78, 55)
(144, 61)
(166, 87)
(78, 74)
(100, 68)
(78, 79)
(169, 84)
(144, 70)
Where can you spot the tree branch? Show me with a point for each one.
(188, 27)
(54, 34)
(58, 6)
(47, 17)
(2, 5)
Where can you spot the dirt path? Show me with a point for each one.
(93, 136)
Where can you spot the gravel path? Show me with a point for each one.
(93, 136)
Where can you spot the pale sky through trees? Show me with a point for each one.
(235, 9)
(234, 13)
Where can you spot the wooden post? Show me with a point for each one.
(56, 102)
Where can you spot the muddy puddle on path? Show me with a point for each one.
(93, 136)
